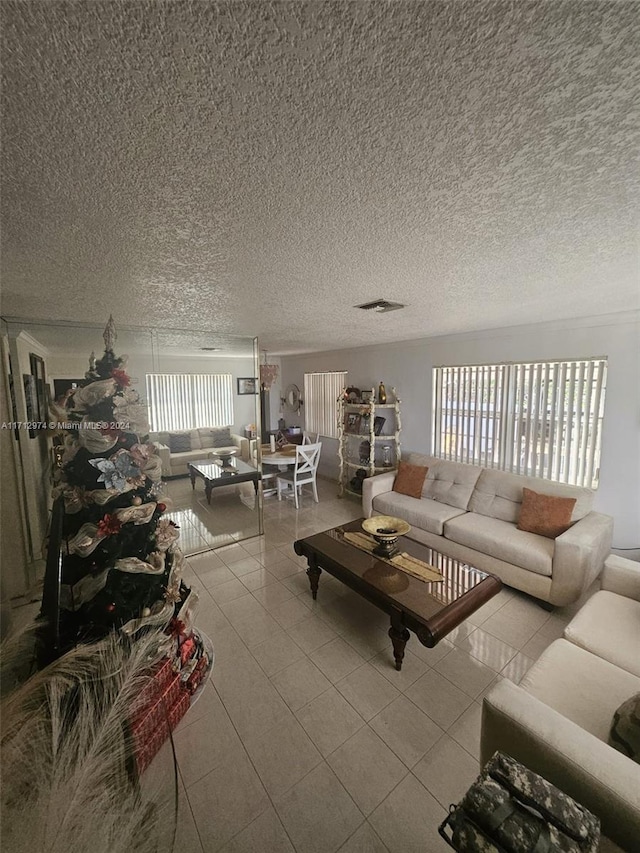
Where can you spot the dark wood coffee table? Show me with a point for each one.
(430, 610)
(215, 474)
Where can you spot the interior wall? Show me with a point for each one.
(408, 366)
(244, 405)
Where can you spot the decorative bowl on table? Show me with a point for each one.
(225, 456)
(385, 529)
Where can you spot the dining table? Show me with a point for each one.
(282, 457)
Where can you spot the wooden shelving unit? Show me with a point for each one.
(356, 424)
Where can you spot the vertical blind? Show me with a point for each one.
(189, 400)
(543, 419)
(321, 392)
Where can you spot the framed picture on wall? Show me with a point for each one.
(37, 371)
(247, 385)
(31, 402)
(352, 422)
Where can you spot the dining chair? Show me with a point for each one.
(304, 471)
(310, 437)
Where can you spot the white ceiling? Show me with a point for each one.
(259, 168)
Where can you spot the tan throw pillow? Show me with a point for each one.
(410, 479)
(625, 728)
(546, 515)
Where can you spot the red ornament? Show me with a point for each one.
(176, 627)
(162, 507)
(111, 607)
(109, 525)
(121, 377)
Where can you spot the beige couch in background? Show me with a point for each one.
(557, 720)
(174, 463)
(471, 513)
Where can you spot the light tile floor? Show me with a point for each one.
(306, 738)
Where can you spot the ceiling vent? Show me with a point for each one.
(380, 306)
(210, 349)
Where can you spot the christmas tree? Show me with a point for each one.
(79, 733)
(121, 565)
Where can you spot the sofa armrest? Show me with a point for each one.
(579, 556)
(589, 770)
(165, 457)
(372, 486)
(242, 444)
(622, 576)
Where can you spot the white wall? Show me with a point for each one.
(408, 366)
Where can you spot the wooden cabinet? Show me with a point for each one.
(368, 438)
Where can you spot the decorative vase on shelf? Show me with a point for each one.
(386, 456)
(382, 394)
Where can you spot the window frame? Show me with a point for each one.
(209, 402)
(328, 386)
(527, 424)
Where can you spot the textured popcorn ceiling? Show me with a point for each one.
(259, 168)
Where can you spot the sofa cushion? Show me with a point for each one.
(221, 437)
(625, 729)
(548, 515)
(179, 442)
(410, 479)
(580, 686)
(206, 438)
(609, 626)
(499, 494)
(503, 541)
(424, 513)
(447, 482)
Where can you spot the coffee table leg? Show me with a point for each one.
(399, 636)
(192, 477)
(207, 490)
(313, 573)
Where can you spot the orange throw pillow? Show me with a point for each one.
(410, 479)
(545, 514)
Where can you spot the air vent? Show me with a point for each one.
(210, 349)
(380, 306)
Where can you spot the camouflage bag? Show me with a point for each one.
(510, 809)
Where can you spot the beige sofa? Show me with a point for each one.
(557, 720)
(202, 443)
(471, 513)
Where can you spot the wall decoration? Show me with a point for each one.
(31, 401)
(247, 385)
(352, 422)
(268, 373)
(37, 371)
(291, 400)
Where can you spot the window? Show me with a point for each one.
(189, 400)
(543, 418)
(321, 392)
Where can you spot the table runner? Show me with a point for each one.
(403, 561)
